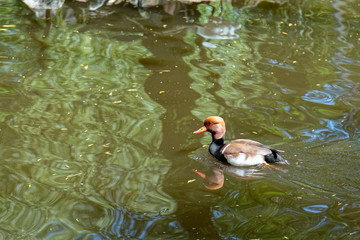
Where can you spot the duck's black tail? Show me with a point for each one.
(275, 157)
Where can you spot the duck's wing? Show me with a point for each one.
(246, 146)
(250, 149)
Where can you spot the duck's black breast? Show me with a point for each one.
(215, 149)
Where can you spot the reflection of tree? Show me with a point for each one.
(262, 77)
(87, 130)
(351, 97)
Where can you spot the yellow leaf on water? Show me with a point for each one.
(72, 175)
(191, 180)
(161, 70)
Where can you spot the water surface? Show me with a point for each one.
(98, 107)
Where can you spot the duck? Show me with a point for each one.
(239, 152)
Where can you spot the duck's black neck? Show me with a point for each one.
(215, 147)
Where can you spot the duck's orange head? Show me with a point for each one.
(213, 124)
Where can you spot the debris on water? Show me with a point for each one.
(73, 175)
(161, 70)
(191, 180)
(162, 211)
(209, 45)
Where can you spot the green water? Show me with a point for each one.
(97, 110)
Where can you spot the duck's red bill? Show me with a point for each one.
(200, 130)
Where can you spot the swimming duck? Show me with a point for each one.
(240, 152)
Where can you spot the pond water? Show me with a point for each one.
(98, 108)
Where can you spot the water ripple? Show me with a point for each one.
(319, 208)
(318, 96)
(333, 131)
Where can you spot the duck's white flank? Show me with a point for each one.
(244, 159)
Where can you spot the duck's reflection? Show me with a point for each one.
(214, 176)
(212, 180)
